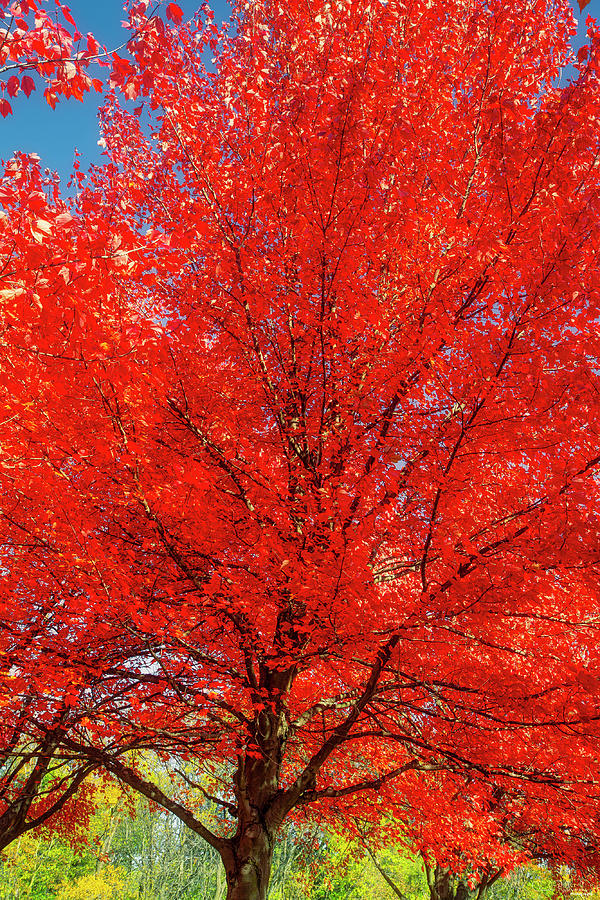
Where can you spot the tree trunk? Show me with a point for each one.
(462, 891)
(248, 855)
(443, 885)
(248, 867)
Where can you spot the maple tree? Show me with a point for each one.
(301, 416)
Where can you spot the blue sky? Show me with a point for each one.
(55, 134)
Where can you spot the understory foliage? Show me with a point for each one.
(299, 417)
(135, 852)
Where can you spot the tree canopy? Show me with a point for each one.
(300, 412)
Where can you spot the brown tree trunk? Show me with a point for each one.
(248, 867)
(247, 856)
(445, 886)
(461, 892)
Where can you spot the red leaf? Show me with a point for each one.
(27, 85)
(582, 4)
(175, 13)
(13, 86)
(5, 108)
(68, 16)
(92, 44)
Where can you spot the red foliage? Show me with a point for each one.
(33, 38)
(302, 402)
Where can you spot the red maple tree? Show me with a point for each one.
(302, 405)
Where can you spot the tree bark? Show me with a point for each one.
(248, 865)
(248, 854)
(445, 886)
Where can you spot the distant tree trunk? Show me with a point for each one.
(389, 881)
(220, 886)
(443, 885)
